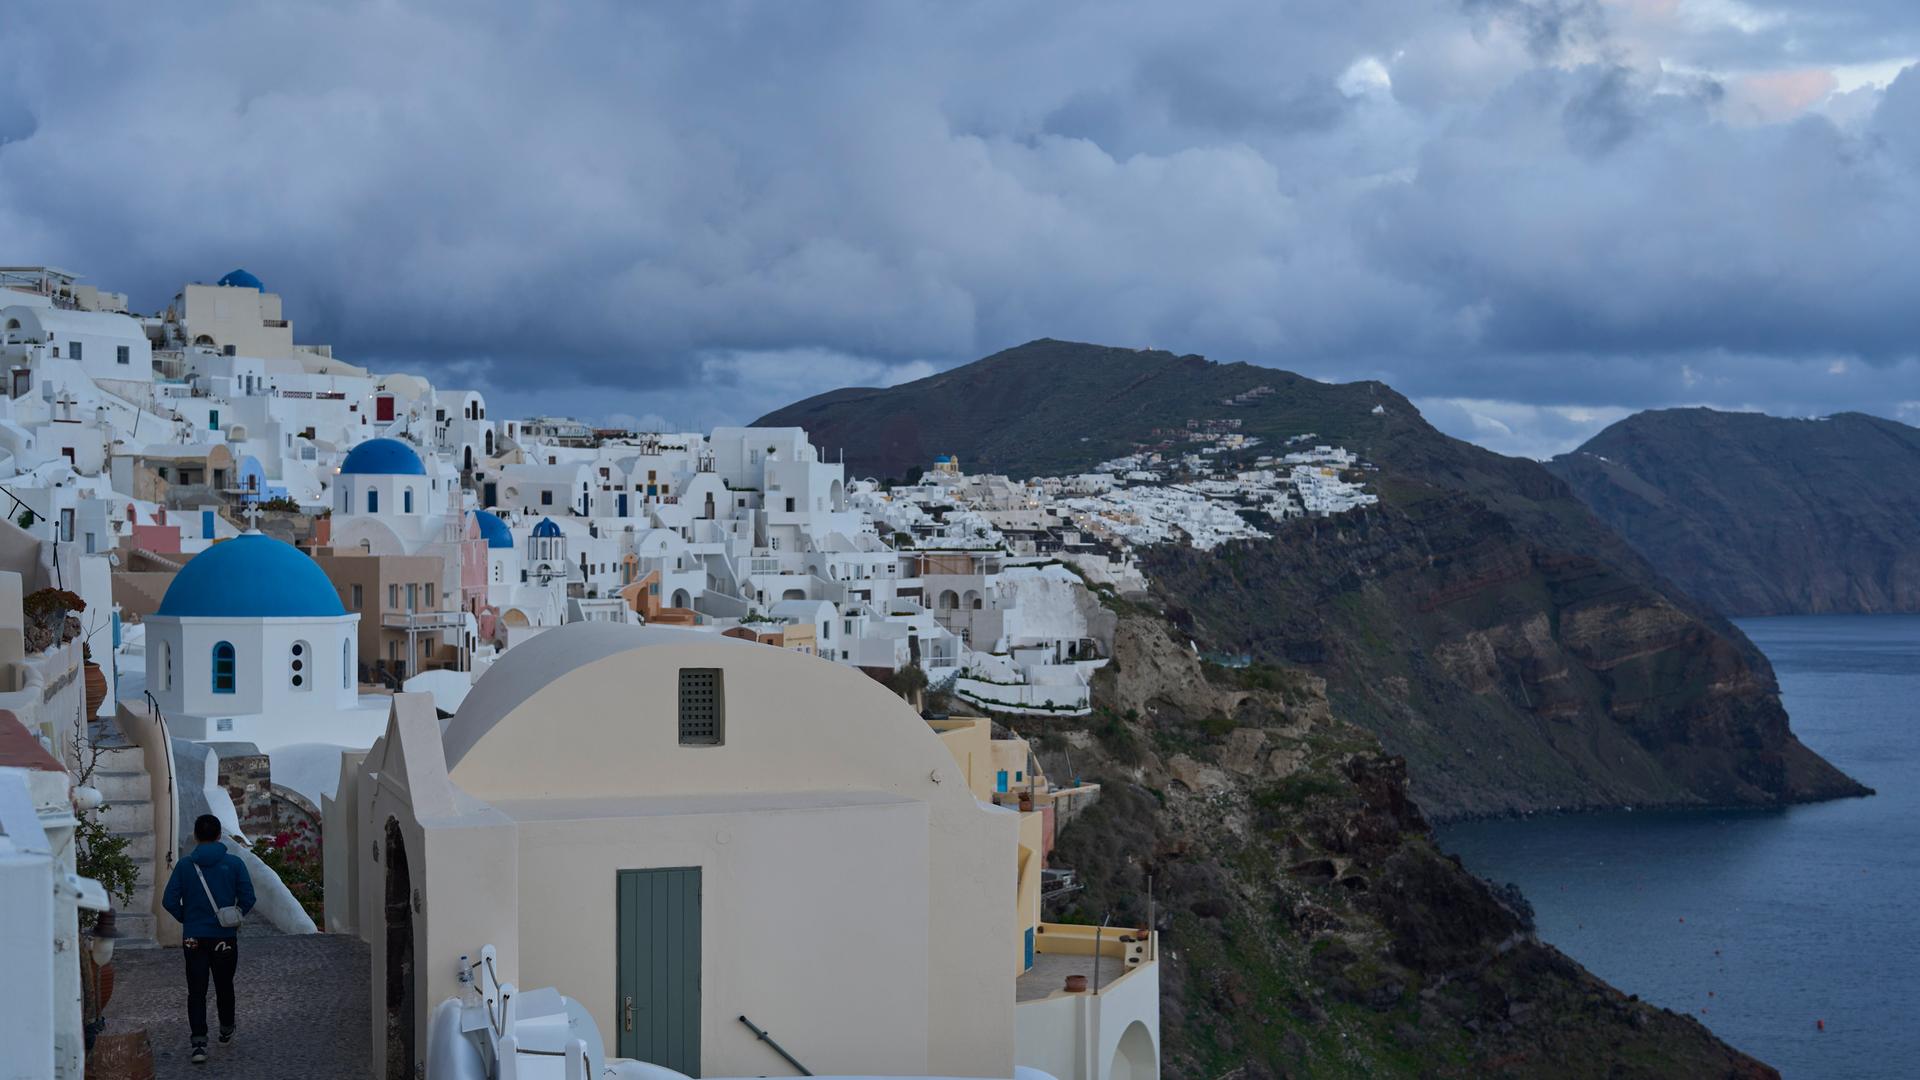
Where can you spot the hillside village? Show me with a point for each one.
(412, 654)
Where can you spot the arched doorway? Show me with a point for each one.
(1134, 1058)
(401, 1037)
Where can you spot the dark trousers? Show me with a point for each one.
(216, 957)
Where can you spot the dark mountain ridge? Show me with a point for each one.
(1761, 515)
(1481, 621)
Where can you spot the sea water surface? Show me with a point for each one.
(1763, 924)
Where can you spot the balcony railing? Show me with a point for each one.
(424, 620)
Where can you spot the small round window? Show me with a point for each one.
(297, 665)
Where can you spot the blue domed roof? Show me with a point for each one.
(251, 577)
(546, 529)
(240, 279)
(493, 529)
(383, 457)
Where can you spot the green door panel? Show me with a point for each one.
(657, 1011)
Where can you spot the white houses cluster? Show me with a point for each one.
(416, 614)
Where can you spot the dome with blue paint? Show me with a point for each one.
(546, 530)
(493, 529)
(383, 457)
(240, 279)
(251, 576)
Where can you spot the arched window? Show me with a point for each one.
(373, 501)
(346, 663)
(406, 501)
(300, 666)
(224, 668)
(166, 665)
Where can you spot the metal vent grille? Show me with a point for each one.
(702, 708)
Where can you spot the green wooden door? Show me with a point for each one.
(658, 1008)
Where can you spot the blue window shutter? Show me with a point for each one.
(224, 668)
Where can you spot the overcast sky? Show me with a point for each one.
(1531, 216)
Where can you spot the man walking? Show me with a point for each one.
(208, 882)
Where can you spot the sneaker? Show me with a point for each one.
(226, 1036)
(199, 1054)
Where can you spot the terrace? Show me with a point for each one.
(1104, 958)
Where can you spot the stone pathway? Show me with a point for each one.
(301, 1004)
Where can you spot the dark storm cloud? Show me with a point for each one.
(1550, 26)
(1528, 213)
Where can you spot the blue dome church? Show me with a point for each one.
(385, 477)
(241, 279)
(252, 644)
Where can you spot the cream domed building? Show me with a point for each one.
(682, 830)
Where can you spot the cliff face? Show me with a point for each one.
(1512, 675)
(1758, 515)
(1481, 621)
(1311, 926)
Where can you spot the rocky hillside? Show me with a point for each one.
(1758, 515)
(1481, 621)
(1043, 407)
(1311, 926)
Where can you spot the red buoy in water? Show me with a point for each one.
(1820, 1025)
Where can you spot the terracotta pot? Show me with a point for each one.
(121, 1055)
(1076, 984)
(96, 689)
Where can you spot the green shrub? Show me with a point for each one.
(1218, 726)
(102, 856)
(1119, 739)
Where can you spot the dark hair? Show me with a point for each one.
(206, 828)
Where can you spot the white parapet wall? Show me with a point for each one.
(1055, 699)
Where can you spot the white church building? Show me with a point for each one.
(251, 644)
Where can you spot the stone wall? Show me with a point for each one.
(247, 777)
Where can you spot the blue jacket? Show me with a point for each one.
(186, 901)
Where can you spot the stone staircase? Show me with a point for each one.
(121, 776)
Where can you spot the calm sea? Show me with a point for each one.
(1762, 923)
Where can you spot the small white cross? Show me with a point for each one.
(252, 514)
